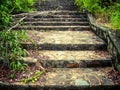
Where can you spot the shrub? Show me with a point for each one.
(10, 48)
(115, 16)
(23, 6)
(91, 5)
(7, 7)
(79, 3)
(108, 9)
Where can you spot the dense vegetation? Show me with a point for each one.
(108, 9)
(10, 48)
(7, 7)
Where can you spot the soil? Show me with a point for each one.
(115, 76)
(6, 72)
(9, 75)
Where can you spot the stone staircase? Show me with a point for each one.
(77, 58)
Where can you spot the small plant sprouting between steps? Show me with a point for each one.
(33, 78)
(11, 50)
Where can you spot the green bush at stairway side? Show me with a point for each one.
(11, 50)
(8, 7)
(115, 16)
(10, 47)
(23, 6)
(90, 5)
(108, 8)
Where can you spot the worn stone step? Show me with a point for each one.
(60, 12)
(56, 19)
(53, 27)
(68, 79)
(77, 78)
(70, 59)
(66, 12)
(60, 16)
(63, 40)
(47, 23)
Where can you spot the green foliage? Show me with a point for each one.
(90, 5)
(108, 8)
(11, 49)
(23, 6)
(115, 16)
(79, 3)
(12, 76)
(4, 19)
(7, 7)
(107, 3)
(33, 78)
(16, 65)
(5, 13)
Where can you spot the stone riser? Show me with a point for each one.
(53, 28)
(68, 13)
(76, 47)
(56, 19)
(55, 23)
(48, 13)
(60, 16)
(75, 64)
(5, 87)
(53, 87)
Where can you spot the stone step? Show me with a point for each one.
(66, 12)
(69, 79)
(56, 19)
(61, 12)
(53, 27)
(60, 16)
(63, 40)
(77, 79)
(70, 59)
(47, 23)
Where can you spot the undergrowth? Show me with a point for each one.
(8, 7)
(10, 47)
(107, 10)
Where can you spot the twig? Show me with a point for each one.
(17, 23)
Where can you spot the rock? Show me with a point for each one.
(81, 82)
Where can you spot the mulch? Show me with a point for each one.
(18, 76)
(114, 76)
